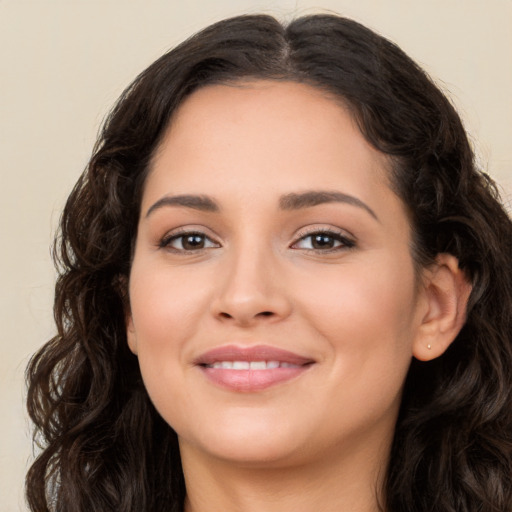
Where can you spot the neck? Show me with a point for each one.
(327, 484)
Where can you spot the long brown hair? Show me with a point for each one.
(104, 446)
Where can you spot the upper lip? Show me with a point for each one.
(253, 353)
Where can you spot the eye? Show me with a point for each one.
(323, 241)
(187, 242)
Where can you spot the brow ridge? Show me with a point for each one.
(195, 202)
(291, 201)
(296, 201)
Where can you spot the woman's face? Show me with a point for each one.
(274, 303)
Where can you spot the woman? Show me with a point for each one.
(283, 285)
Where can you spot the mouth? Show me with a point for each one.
(251, 365)
(251, 369)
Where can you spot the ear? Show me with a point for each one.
(446, 290)
(121, 285)
(130, 333)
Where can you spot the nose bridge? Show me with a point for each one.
(251, 287)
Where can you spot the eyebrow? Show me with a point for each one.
(292, 201)
(315, 197)
(201, 203)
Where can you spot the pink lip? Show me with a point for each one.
(251, 380)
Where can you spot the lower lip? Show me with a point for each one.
(251, 380)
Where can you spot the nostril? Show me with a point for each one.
(242, 317)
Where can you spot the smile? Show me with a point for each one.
(251, 365)
(251, 369)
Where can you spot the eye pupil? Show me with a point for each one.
(321, 241)
(193, 242)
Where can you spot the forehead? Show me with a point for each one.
(263, 110)
(265, 135)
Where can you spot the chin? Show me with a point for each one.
(252, 442)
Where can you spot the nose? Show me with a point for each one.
(252, 290)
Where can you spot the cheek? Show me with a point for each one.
(364, 320)
(167, 309)
(378, 293)
(165, 303)
(365, 313)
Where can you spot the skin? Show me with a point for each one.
(358, 309)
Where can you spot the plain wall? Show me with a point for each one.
(63, 63)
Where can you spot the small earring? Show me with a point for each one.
(429, 346)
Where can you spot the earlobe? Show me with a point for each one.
(447, 291)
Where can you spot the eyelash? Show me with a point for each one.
(344, 243)
(165, 243)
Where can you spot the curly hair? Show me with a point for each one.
(104, 446)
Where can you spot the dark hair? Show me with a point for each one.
(104, 446)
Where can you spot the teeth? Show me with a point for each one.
(251, 365)
(241, 365)
(258, 365)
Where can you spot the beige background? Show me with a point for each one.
(64, 62)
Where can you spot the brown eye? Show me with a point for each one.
(323, 241)
(191, 242)
(188, 242)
